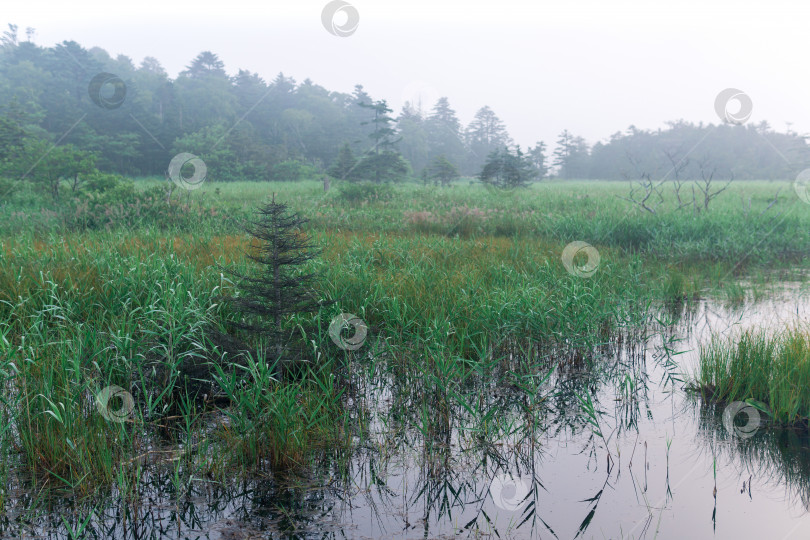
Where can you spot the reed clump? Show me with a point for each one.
(772, 368)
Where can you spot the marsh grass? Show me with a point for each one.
(478, 334)
(283, 424)
(738, 237)
(83, 311)
(772, 368)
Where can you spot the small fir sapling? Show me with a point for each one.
(280, 288)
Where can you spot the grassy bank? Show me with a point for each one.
(773, 369)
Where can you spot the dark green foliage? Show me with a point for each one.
(365, 192)
(11, 138)
(227, 155)
(378, 167)
(96, 183)
(750, 151)
(382, 167)
(507, 170)
(243, 127)
(414, 136)
(280, 288)
(571, 156)
(442, 171)
(383, 134)
(345, 163)
(290, 171)
(444, 134)
(485, 134)
(46, 166)
(382, 163)
(11, 142)
(537, 156)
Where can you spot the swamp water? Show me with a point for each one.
(614, 451)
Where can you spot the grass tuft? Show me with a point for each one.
(770, 368)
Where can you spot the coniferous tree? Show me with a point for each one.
(537, 156)
(444, 133)
(442, 171)
(383, 161)
(280, 288)
(413, 143)
(485, 134)
(562, 154)
(383, 134)
(570, 156)
(344, 165)
(507, 170)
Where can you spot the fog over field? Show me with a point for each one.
(589, 66)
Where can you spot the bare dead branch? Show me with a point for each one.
(646, 194)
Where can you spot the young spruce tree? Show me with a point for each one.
(279, 289)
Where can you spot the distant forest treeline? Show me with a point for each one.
(246, 128)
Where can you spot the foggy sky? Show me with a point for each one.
(593, 67)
